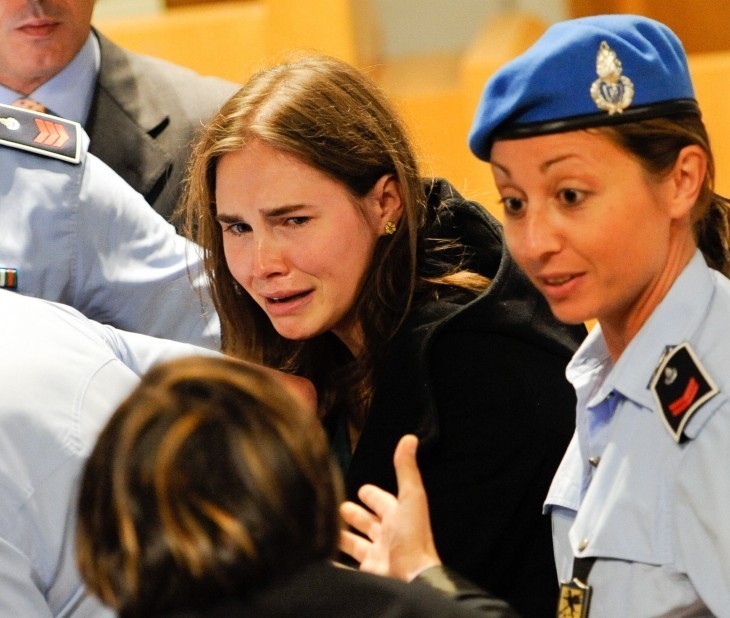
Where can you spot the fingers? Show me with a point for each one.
(367, 551)
(360, 519)
(398, 540)
(354, 545)
(377, 500)
(406, 466)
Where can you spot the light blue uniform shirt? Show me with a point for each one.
(80, 235)
(655, 513)
(61, 377)
(68, 93)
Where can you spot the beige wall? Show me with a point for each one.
(412, 27)
(123, 8)
(408, 27)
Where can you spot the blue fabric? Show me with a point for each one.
(62, 377)
(653, 512)
(78, 234)
(552, 80)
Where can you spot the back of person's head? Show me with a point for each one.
(209, 480)
(332, 117)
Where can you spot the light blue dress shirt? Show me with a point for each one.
(61, 377)
(655, 513)
(78, 234)
(68, 93)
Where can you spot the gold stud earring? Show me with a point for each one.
(389, 228)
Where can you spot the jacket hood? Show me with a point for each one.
(450, 217)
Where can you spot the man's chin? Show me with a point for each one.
(35, 70)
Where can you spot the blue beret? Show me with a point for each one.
(586, 72)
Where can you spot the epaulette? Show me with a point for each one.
(681, 385)
(40, 133)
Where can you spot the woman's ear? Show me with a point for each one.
(387, 201)
(686, 180)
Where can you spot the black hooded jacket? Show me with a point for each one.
(481, 382)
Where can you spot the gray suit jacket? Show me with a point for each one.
(143, 117)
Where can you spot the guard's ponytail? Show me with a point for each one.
(713, 234)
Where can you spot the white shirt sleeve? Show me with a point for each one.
(21, 595)
(133, 270)
(141, 352)
(38, 574)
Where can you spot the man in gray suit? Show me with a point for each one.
(141, 113)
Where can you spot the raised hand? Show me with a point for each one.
(397, 540)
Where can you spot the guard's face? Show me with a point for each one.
(38, 38)
(295, 240)
(588, 225)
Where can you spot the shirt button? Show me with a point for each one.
(594, 461)
(583, 544)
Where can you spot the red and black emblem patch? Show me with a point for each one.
(681, 386)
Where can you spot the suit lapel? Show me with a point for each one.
(125, 119)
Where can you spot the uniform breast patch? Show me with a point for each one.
(8, 278)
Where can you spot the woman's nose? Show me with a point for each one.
(268, 258)
(534, 237)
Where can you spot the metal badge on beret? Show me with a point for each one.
(612, 91)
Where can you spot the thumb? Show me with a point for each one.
(406, 466)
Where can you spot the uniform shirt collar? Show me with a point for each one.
(674, 321)
(69, 93)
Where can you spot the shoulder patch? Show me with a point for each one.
(681, 386)
(40, 133)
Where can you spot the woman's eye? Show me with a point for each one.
(512, 205)
(571, 197)
(297, 221)
(237, 229)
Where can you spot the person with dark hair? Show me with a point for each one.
(212, 492)
(604, 166)
(332, 258)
